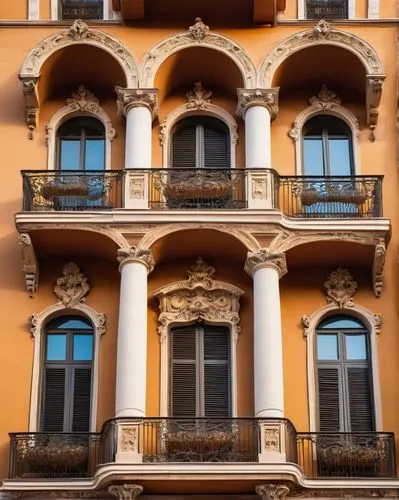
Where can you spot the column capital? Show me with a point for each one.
(266, 98)
(272, 491)
(265, 258)
(134, 98)
(134, 254)
(125, 491)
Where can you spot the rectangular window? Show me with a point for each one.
(327, 9)
(81, 9)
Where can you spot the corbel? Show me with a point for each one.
(373, 99)
(30, 91)
(30, 265)
(378, 268)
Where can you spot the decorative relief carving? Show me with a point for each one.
(321, 30)
(259, 187)
(129, 439)
(325, 98)
(72, 287)
(79, 30)
(133, 98)
(267, 98)
(136, 188)
(125, 491)
(271, 438)
(378, 269)
(373, 98)
(199, 30)
(265, 258)
(30, 265)
(199, 97)
(135, 254)
(340, 288)
(30, 91)
(199, 298)
(272, 491)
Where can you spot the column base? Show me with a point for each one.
(272, 457)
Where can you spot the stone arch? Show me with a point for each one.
(82, 103)
(245, 238)
(322, 34)
(39, 322)
(80, 33)
(372, 322)
(198, 35)
(208, 110)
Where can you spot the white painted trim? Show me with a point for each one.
(333, 110)
(182, 112)
(54, 10)
(33, 10)
(73, 110)
(371, 321)
(165, 361)
(351, 9)
(39, 322)
(373, 9)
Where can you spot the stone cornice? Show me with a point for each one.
(133, 98)
(267, 98)
(134, 254)
(265, 258)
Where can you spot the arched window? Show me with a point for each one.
(200, 377)
(81, 144)
(344, 376)
(327, 147)
(67, 375)
(200, 142)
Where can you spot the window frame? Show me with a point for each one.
(302, 9)
(108, 12)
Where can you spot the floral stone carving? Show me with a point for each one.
(199, 97)
(200, 298)
(341, 288)
(72, 287)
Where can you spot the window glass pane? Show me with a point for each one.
(95, 154)
(339, 150)
(341, 322)
(56, 347)
(313, 156)
(327, 347)
(69, 154)
(356, 347)
(69, 323)
(82, 347)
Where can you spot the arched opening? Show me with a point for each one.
(67, 372)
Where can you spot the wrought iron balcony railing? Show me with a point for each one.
(184, 440)
(327, 9)
(81, 9)
(204, 189)
(50, 455)
(337, 455)
(72, 190)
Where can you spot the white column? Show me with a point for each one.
(140, 107)
(258, 107)
(266, 268)
(131, 371)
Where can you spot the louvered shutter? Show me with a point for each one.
(359, 395)
(329, 399)
(81, 399)
(216, 148)
(184, 151)
(54, 400)
(184, 372)
(216, 390)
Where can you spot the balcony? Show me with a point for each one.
(327, 9)
(168, 440)
(203, 189)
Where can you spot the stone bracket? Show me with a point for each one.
(30, 265)
(373, 98)
(30, 91)
(378, 269)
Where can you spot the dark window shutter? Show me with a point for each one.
(81, 400)
(184, 372)
(329, 400)
(217, 148)
(216, 372)
(360, 406)
(54, 400)
(184, 147)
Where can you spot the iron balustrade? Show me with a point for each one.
(327, 9)
(72, 190)
(81, 9)
(330, 197)
(53, 455)
(356, 454)
(206, 189)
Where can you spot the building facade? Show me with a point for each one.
(199, 249)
